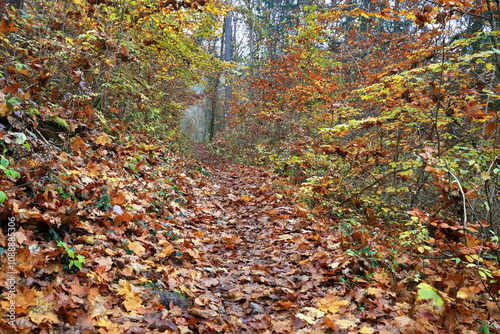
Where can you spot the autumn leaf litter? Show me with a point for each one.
(190, 246)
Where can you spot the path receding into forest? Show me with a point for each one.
(268, 266)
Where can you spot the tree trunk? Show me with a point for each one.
(228, 57)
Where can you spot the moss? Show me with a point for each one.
(33, 111)
(59, 122)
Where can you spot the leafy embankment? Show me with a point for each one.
(385, 114)
(136, 220)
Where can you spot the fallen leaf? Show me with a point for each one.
(311, 315)
(98, 307)
(367, 330)
(133, 303)
(462, 295)
(331, 304)
(349, 322)
(209, 282)
(137, 248)
(206, 314)
(103, 139)
(167, 249)
(42, 311)
(6, 26)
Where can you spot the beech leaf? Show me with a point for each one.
(427, 292)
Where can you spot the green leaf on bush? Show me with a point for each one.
(3, 196)
(4, 161)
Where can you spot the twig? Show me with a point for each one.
(24, 184)
(371, 185)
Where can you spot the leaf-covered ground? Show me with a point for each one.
(204, 246)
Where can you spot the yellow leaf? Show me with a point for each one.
(462, 295)
(485, 176)
(4, 111)
(331, 304)
(133, 303)
(366, 330)
(471, 258)
(246, 198)
(110, 328)
(124, 288)
(103, 139)
(137, 248)
(42, 311)
(104, 322)
(374, 291)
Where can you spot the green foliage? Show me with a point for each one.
(417, 235)
(11, 173)
(3, 197)
(128, 65)
(104, 202)
(204, 172)
(486, 328)
(367, 253)
(399, 129)
(180, 294)
(427, 292)
(75, 261)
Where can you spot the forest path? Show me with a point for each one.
(268, 264)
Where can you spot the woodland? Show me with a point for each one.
(249, 166)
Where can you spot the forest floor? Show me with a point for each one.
(176, 246)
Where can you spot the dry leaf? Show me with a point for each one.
(137, 248)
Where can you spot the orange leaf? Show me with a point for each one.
(103, 139)
(167, 250)
(331, 304)
(475, 289)
(246, 198)
(281, 305)
(79, 145)
(6, 26)
(491, 127)
(137, 248)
